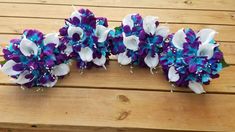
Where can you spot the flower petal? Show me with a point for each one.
(131, 42)
(68, 50)
(162, 31)
(60, 70)
(100, 61)
(7, 68)
(127, 20)
(52, 38)
(149, 24)
(206, 49)
(28, 47)
(206, 35)
(72, 30)
(196, 87)
(124, 59)
(76, 14)
(173, 76)
(50, 84)
(86, 54)
(21, 79)
(150, 61)
(179, 39)
(102, 33)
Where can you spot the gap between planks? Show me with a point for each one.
(176, 16)
(166, 4)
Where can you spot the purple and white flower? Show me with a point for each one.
(35, 59)
(191, 58)
(87, 38)
(139, 41)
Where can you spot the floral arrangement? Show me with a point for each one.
(35, 59)
(188, 58)
(139, 41)
(87, 37)
(192, 58)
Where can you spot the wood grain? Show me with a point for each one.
(117, 14)
(116, 100)
(59, 108)
(227, 5)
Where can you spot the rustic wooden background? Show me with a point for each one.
(116, 100)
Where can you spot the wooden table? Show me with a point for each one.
(116, 100)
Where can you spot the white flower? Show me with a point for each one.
(76, 14)
(206, 48)
(7, 68)
(179, 39)
(22, 79)
(123, 59)
(102, 33)
(149, 24)
(162, 31)
(72, 30)
(60, 70)
(196, 87)
(52, 38)
(151, 62)
(128, 21)
(27, 47)
(131, 42)
(100, 61)
(173, 76)
(86, 54)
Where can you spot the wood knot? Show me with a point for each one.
(123, 98)
(188, 2)
(123, 115)
(233, 16)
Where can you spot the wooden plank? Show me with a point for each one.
(17, 25)
(166, 4)
(117, 14)
(84, 130)
(59, 108)
(117, 77)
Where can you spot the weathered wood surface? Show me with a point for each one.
(116, 100)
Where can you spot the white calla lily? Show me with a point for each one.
(86, 54)
(7, 68)
(196, 87)
(206, 35)
(127, 20)
(179, 39)
(173, 76)
(151, 62)
(50, 84)
(60, 70)
(76, 14)
(131, 42)
(21, 79)
(149, 24)
(52, 38)
(162, 31)
(72, 30)
(206, 49)
(123, 59)
(100, 61)
(27, 47)
(102, 33)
